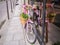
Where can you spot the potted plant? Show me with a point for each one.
(50, 16)
(23, 18)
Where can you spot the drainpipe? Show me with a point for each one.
(7, 9)
(43, 18)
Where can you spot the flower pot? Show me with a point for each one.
(23, 21)
(50, 20)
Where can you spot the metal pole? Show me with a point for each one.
(43, 18)
(46, 32)
(7, 8)
(11, 6)
(24, 1)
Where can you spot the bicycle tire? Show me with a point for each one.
(31, 42)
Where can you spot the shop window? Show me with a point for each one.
(57, 2)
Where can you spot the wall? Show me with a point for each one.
(3, 12)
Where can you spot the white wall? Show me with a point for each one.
(26, 1)
(3, 11)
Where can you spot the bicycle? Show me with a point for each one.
(31, 31)
(30, 35)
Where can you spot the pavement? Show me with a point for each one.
(14, 33)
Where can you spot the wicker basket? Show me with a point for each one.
(23, 21)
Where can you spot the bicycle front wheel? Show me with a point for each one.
(31, 38)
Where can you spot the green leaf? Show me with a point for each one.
(25, 16)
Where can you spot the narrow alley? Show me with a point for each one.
(12, 31)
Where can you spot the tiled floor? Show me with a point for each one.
(14, 33)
